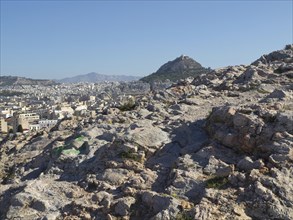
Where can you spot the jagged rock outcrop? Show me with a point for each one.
(219, 146)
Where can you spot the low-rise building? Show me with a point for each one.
(34, 127)
(31, 117)
(23, 121)
(3, 125)
(47, 123)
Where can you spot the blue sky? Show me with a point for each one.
(56, 39)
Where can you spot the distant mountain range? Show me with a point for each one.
(16, 80)
(180, 68)
(96, 77)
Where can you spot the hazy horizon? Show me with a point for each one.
(54, 40)
(61, 77)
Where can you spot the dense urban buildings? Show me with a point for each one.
(30, 108)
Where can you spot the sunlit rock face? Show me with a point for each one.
(217, 146)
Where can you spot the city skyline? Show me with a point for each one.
(55, 40)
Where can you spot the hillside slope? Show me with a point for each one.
(15, 80)
(218, 147)
(180, 68)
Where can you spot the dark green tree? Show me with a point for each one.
(19, 128)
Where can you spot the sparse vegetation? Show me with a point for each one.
(174, 195)
(217, 182)
(183, 216)
(118, 142)
(58, 150)
(10, 175)
(19, 128)
(130, 155)
(128, 106)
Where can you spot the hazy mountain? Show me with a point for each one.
(16, 80)
(96, 77)
(180, 68)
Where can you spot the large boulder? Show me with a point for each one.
(251, 129)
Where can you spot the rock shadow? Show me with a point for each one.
(42, 162)
(188, 138)
(5, 199)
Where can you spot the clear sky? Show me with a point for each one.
(56, 39)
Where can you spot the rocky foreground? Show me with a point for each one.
(216, 147)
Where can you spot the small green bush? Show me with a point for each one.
(183, 216)
(217, 182)
(127, 106)
(129, 155)
(58, 150)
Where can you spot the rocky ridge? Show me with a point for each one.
(219, 146)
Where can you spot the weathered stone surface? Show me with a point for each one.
(115, 176)
(149, 136)
(219, 146)
(247, 164)
(122, 207)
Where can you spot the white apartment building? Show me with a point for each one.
(47, 123)
(34, 127)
